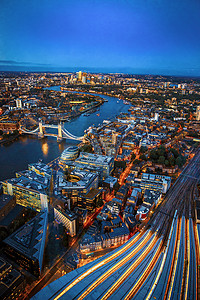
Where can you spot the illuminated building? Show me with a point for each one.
(6, 204)
(18, 103)
(41, 169)
(72, 165)
(67, 218)
(76, 183)
(155, 182)
(69, 154)
(84, 79)
(151, 198)
(79, 75)
(12, 282)
(106, 163)
(142, 212)
(117, 234)
(110, 182)
(198, 113)
(26, 245)
(156, 117)
(89, 200)
(28, 193)
(8, 125)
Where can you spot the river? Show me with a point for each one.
(16, 155)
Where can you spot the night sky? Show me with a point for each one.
(136, 36)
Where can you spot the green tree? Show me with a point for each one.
(154, 155)
(161, 151)
(175, 152)
(143, 149)
(161, 160)
(179, 161)
(171, 161)
(136, 161)
(166, 163)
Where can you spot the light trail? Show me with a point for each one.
(173, 225)
(174, 265)
(115, 267)
(163, 260)
(129, 271)
(98, 265)
(187, 261)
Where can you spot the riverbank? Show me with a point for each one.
(26, 149)
(82, 112)
(8, 140)
(89, 92)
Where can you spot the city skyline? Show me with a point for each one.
(150, 37)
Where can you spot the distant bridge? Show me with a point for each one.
(62, 132)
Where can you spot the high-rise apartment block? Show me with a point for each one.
(198, 113)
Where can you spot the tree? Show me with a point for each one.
(179, 161)
(136, 161)
(166, 163)
(153, 155)
(171, 161)
(161, 151)
(143, 157)
(175, 152)
(143, 149)
(161, 160)
(120, 164)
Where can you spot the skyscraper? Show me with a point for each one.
(198, 113)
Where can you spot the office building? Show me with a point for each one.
(155, 182)
(106, 163)
(40, 169)
(89, 201)
(68, 219)
(18, 103)
(12, 282)
(198, 113)
(27, 192)
(26, 245)
(76, 183)
(69, 154)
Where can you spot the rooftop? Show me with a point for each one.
(93, 193)
(4, 199)
(41, 167)
(25, 182)
(94, 158)
(83, 179)
(34, 176)
(27, 239)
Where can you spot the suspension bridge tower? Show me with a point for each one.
(40, 133)
(59, 137)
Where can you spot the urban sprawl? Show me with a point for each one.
(101, 192)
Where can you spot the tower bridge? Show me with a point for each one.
(62, 133)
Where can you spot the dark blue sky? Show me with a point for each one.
(138, 36)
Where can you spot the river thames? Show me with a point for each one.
(16, 155)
